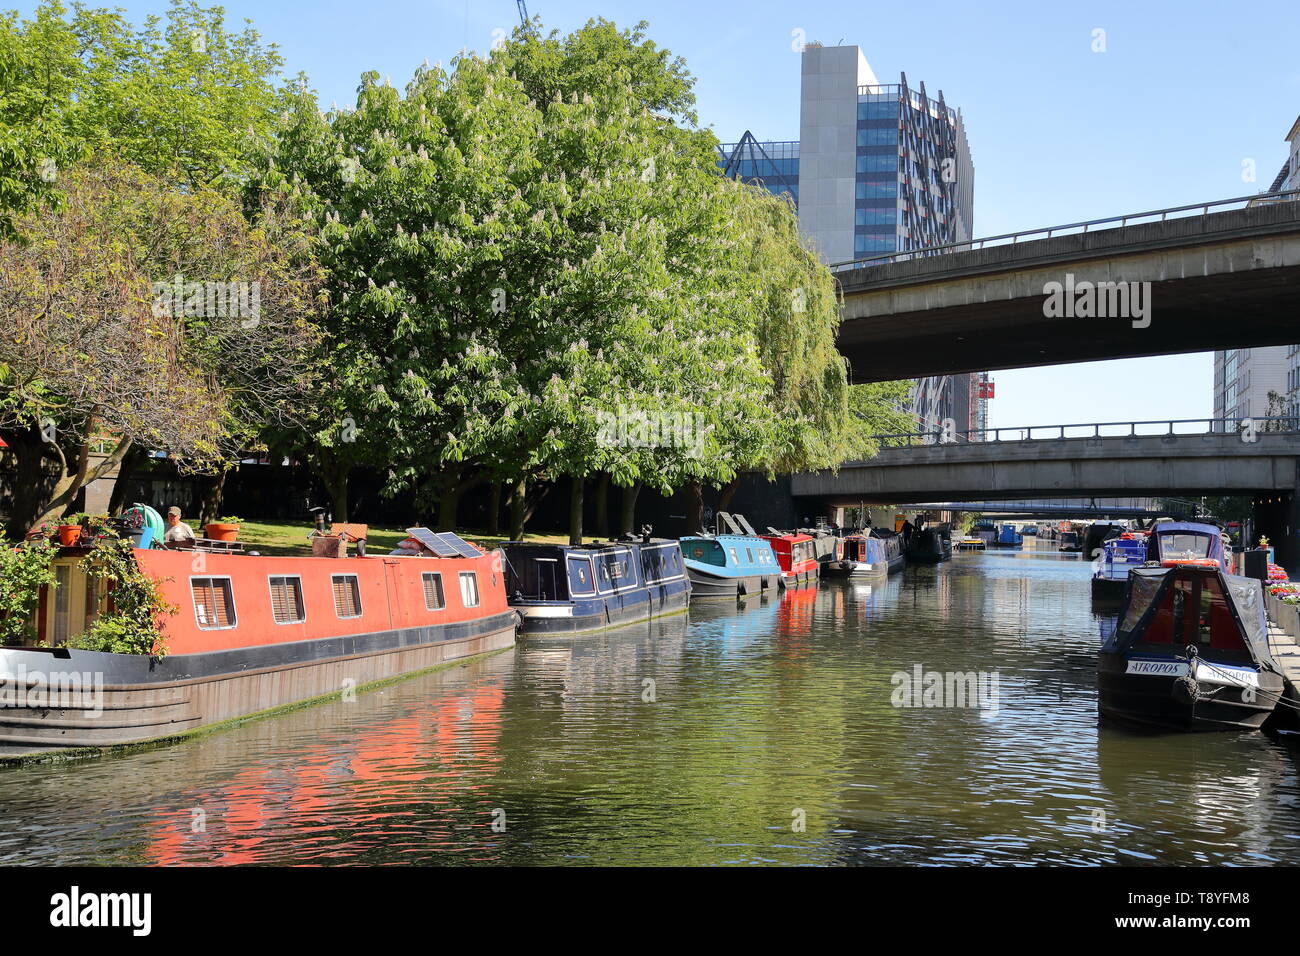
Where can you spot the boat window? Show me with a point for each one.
(581, 579)
(1184, 546)
(433, 596)
(214, 603)
(602, 570)
(749, 555)
(347, 595)
(469, 588)
(62, 602)
(286, 600)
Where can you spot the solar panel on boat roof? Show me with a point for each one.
(749, 528)
(434, 542)
(462, 547)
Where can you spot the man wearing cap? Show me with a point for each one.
(178, 532)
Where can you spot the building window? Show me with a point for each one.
(433, 596)
(214, 603)
(469, 588)
(286, 600)
(62, 603)
(347, 595)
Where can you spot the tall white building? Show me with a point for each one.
(1243, 378)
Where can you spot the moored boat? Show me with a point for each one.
(1119, 555)
(930, 545)
(250, 633)
(891, 545)
(1009, 537)
(795, 553)
(859, 555)
(1190, 652)
(730, 566)
(568, 589)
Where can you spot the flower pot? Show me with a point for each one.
(69, 535)
(222, 532)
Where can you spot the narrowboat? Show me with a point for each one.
(247, 633)
(891, 543)
(930, 545)
(570, 589)
(985, 532)
(863, 554)
(730, 566)
(1118, 556)
(1190, 652)
(1009, 537)
(795, 553)
(732, 562)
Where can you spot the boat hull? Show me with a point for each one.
(1162, 701)
(855, 569)
(143, 700)
(705, 584)
(1108, 589)
(615, 610)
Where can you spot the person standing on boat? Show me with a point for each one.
(178, 532)
(907, 530)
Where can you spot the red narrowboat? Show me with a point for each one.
(796, 554)
(250, 633)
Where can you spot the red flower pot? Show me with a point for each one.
(222, 532)
(69, 534)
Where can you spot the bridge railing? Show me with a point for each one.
(1069, 228)
(1247, 428)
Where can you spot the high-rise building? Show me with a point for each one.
(878, 168)
(1244, 378)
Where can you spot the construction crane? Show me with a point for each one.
(523, 12)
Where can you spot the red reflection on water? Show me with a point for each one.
(329, 785)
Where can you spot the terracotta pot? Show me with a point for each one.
(69, 534)
(222, 532)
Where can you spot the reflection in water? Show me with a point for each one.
(699, 742)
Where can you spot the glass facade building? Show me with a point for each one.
(878, 168)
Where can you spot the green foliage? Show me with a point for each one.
(132, 626)
(24, 570)
(181, 96)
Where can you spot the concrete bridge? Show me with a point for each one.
(1183, 458)
(1224, 274)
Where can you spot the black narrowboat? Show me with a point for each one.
(1190, 652)
(569, 589)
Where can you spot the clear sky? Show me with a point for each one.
(1185, 92)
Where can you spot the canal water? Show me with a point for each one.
(764, 734)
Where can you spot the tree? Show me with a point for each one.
(140, 315)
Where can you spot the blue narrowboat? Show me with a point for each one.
(569, 589)
(729, 565)
(1009, 537)
(863, 554)
(1118, 556)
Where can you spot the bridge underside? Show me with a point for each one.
(1224, 280)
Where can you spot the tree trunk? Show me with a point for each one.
(602, 506)
(695, 513)
(728, 492)
(449, 505)
(494, 511)
(575, 509)
(627, 516)
(518, 503)
(210, 507)
(336, 480)
(65, 490)
(117, 500)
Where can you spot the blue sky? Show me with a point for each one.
(1184, 92)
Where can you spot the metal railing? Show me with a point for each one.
(1246, 427)
(1047, 232)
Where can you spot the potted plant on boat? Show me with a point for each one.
(223, 529)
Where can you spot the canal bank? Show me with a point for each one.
(764, 734)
